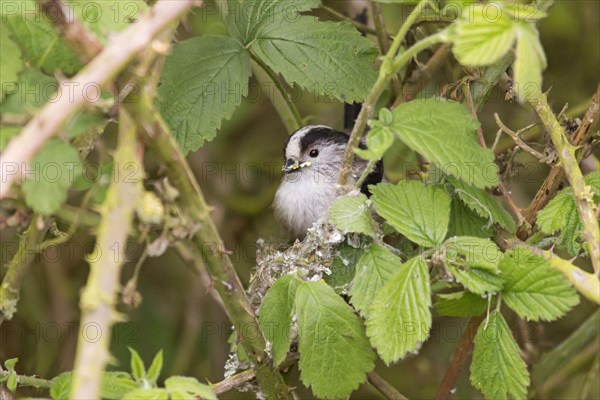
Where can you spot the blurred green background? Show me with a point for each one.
(239, 173)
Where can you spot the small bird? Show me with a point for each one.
(312, 161)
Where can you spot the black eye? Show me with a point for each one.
(314, 153)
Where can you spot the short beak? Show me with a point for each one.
(292, 165)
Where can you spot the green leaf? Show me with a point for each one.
(31, 92)
(114, 385)
(105, 17)
(10, 60)
(460, 304)
(147, 394)
(419, 212)
(561, 215)
(483, 34)
(444, 132)
(275, 317)
(497, 369)
(39, 42)
(478, 281)
(335, 354)
(399, 318)
(379, 138)
(472, 252)
(533, 289)
(483, 204)
(351, 214)
(342, 268)
(203, 81)
(137, 365)
(55, 168)
(373, 270)
(190, 387)
(11, 382)
(247, 18)
(328, 58)
(155, 368)
(465, 222)
(529, 63)
(85, 121)
(10, 364)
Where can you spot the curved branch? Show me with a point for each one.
(123, 48)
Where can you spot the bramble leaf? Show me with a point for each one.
(56, 166)
(400, 318)
(351, 213)
(373, 269)
(533, 289)
(275, 318)
(460, 304)
(335, 354)
(10, 60)
(483, 204)
(497, 369)
(203, 81)
(183, 387)
(444, 132)
(419, 212)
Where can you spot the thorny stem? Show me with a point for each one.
(99, 296)
(121, 50)
(388, 69)
(568, 161)
(19, 266)
(24, 380)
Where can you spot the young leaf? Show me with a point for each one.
(182, 387)
(533, 289)
(529, 63)
(11, 382)
(379, 139)
(465, 222)
(155, 368)
(351, 214)
(10, 60)
(497, 369)
(444, 132)
(114, 386)
(203, 81)
(399, 318)
(39, 42)
(561, 214)
(275, 318)
(328, 58)
(483, 34)
(147, 394)
(472, 252)
(483, 204)
(419, 212)
(373, 270)
(478, 281)
(137, 365)
(32, 90)
(56, 166)
(335, 354)
(460, 304)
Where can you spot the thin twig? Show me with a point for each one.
(569, 162)
(72, 30)
(460, 356)
(233, 382)
(19, 266)
(360, 26)
(555, 177)
(384, 387)
(518, 141)
(121, 50)
(24, 380)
